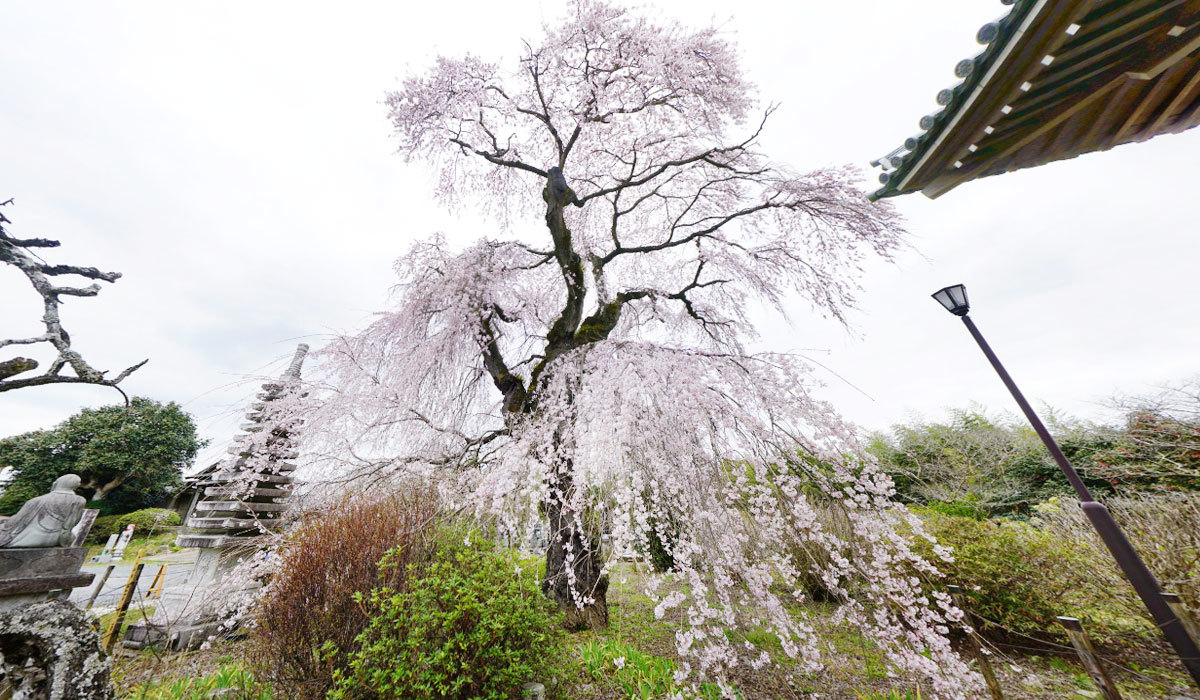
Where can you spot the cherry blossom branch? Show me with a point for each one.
(708, 156)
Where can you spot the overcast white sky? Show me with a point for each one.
(233, 161)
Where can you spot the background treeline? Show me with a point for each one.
(982, 465)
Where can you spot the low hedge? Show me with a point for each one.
(144, 521)
(1018, 578)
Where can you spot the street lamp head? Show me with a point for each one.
(954, 299)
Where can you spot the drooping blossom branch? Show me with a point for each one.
(19, 253)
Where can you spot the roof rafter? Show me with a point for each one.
(1059, 78)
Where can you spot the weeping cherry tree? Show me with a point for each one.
(588, 368)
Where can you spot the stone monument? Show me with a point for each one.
(36, 552)
(245, 496)
(242, 498)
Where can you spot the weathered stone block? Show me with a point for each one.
(51, 650)
(33, 562)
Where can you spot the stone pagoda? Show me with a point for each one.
(246, 494)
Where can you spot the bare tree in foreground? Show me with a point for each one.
(593, 371)
(19, 253)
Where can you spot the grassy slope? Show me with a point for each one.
(855, 669)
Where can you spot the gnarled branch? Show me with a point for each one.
(14, 251)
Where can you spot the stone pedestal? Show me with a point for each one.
(30, 574)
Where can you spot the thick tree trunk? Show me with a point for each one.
(573, 560)
(103, 491)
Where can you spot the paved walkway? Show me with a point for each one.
(179, 567)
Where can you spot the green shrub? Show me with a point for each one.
(144, 521)
(962, 508)
(1164, 529)
(1018, 579)
(310, 623)
(470, 623)
(660, 537)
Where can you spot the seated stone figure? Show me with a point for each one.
(46, 521)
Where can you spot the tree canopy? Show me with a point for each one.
(128, 457)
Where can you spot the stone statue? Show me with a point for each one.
(46, 521)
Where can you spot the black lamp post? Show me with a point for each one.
(955, 300)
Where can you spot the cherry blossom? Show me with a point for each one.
(586, 366)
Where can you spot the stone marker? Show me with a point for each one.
(84, 528)
(105, 555)
(118, 552)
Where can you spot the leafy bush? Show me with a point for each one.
(308, 622)
(230, 681)
(471, 623)
(144, 522)
(961, 508)
(1018, 578)
(993, 465)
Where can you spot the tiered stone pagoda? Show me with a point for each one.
(245, 495)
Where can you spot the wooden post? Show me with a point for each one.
(99, 586)
(1087, 654)
(1183, 614)
(985, 664)
(114, 628)
(159, 579)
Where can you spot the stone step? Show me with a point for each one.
(207, 541)
(226, 477)
(232, 523)
(243, 493)
(239, 506)
(43, 584)
(31, 562)
(238, 450)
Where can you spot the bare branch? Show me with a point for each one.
(13, 252)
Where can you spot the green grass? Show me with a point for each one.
(231, 681)
(639, 675)
(892, 694)
(155, 545)
(855, 666)
(136, 613)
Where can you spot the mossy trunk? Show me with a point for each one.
(574, 578)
